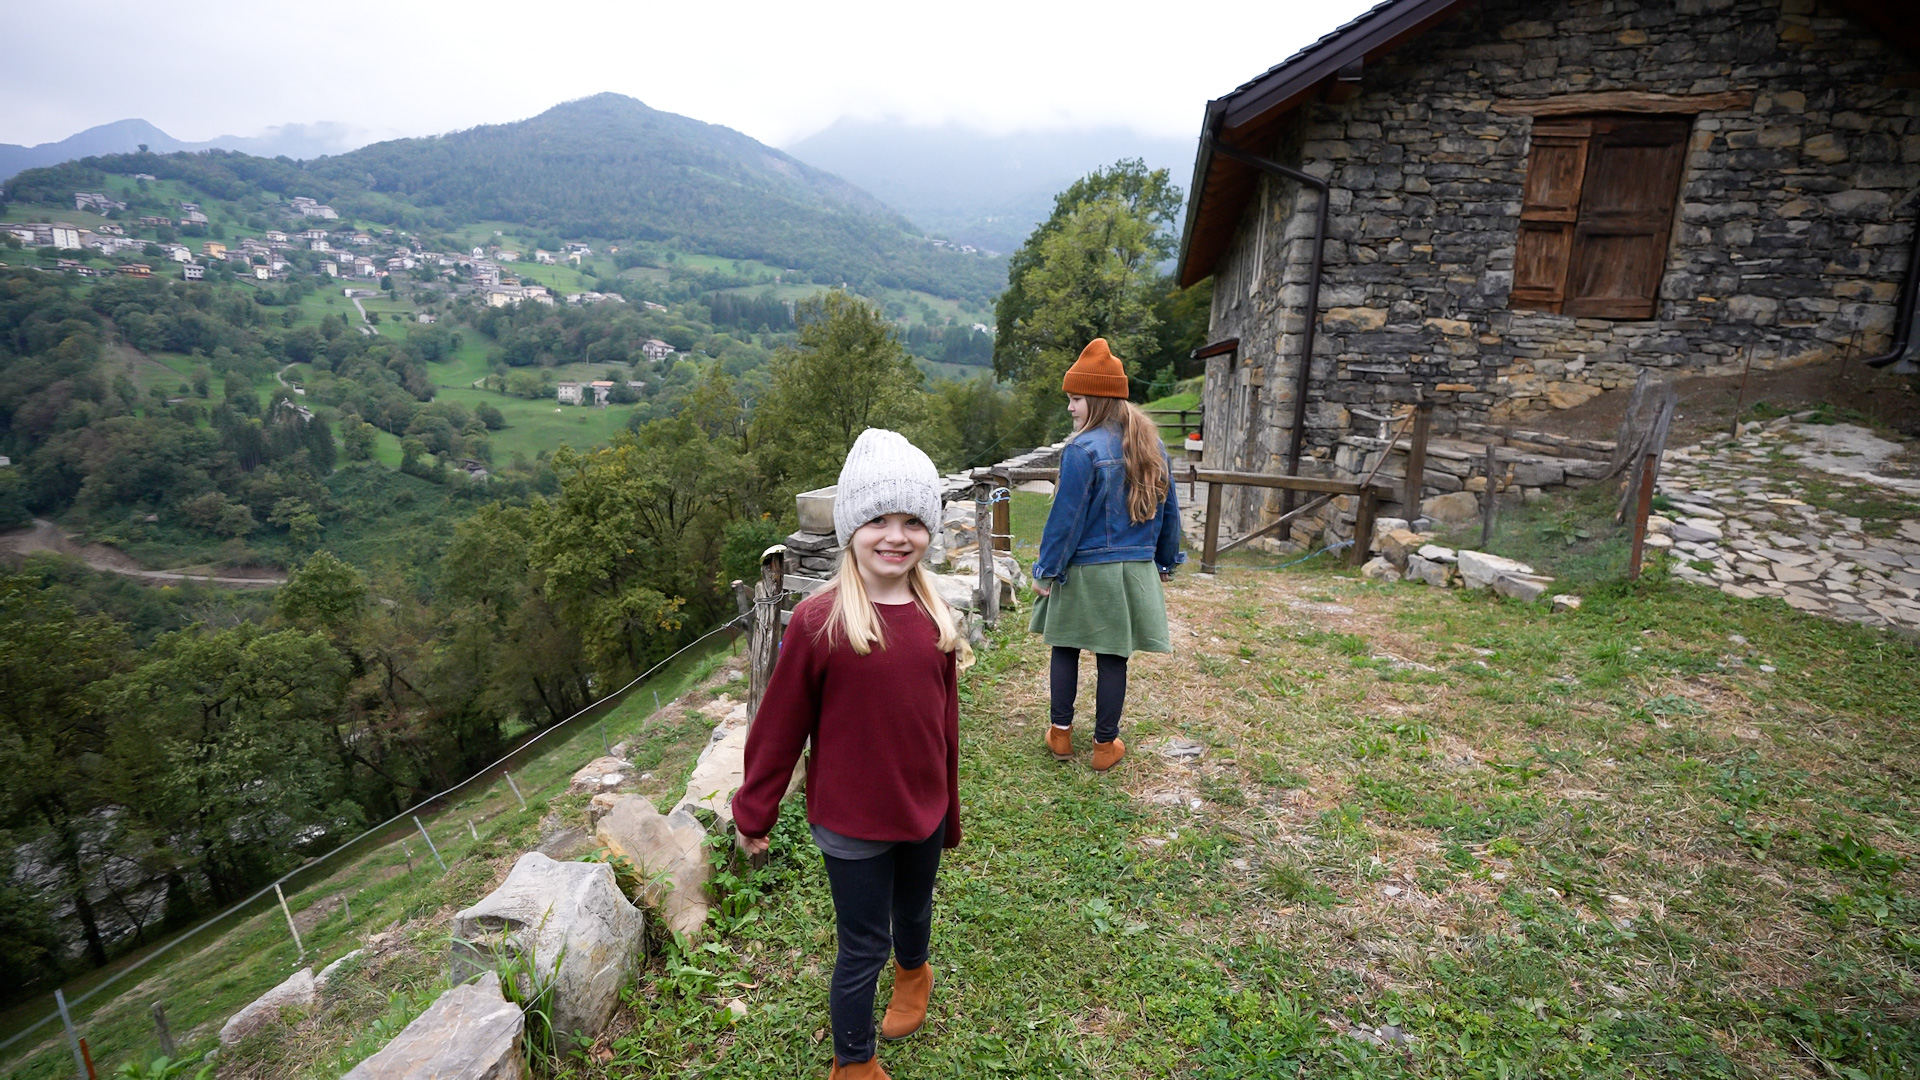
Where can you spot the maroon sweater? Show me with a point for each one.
(885, 728)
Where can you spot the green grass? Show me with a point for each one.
(540, 426)
(206, 982)
(1598, 843)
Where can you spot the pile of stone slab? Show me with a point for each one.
(1406, 555)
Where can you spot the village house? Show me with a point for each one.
(577, 248)
(330, 268)
(601, 389)
(427, 317)
(656, 350)
(156, 222)
(274, 236)
(544, 258)
(98, 202)
(213, 249)
(315, 234)
(136, 269)
(193, 217)
(1525, 205)
(193, 271)
(319, 245)
(263, 272)
(567, 393)
(179, 253)
(507, 256)
(306, 207)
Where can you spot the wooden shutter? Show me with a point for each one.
(1548, 213)
(1626, 212)
(1596, 214)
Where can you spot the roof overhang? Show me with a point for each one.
(1251, 117)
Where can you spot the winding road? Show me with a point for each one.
(46, 536)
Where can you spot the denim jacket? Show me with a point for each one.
(1089, 522)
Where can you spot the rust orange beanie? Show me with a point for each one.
(1097, 373)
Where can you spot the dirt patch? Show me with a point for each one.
(1706, 402)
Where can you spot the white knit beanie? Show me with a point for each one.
(885, 474)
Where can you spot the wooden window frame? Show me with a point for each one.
(1598, 248)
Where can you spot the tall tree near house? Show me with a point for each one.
(1090, 270)
(52, 730)
(848, 373)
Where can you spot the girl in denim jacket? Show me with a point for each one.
(1115, 521)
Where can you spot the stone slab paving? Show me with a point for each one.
(1758, 537)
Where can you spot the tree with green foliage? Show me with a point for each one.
(219, 751)
(1090, 270)
(53, 729)
(847, 373)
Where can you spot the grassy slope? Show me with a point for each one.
(1595, 843)
(206, 982)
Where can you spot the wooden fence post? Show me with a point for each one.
(160, 1027)
(1210, 548)
(984, 552)
(1363, 525)
(1648, 464)
(1417, 460)
(1487, 511)
(763, 646)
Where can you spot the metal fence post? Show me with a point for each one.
(429, 840)
(516, 790)
(73, 1037)
(289, 914)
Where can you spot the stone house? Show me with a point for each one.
(1525, 205)
(567, 393)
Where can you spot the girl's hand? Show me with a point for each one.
(1166, 576)
(754, 845)
(1042, 587)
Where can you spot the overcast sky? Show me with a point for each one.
(775, 71)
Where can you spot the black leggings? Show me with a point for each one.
(880, 904)
(1109, 690)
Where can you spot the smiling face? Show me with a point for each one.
(885, 550)
(1077, 408)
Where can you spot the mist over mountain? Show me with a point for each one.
(973, 187)
(126, 136)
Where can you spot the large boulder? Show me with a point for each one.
(1401, 543)
(297, 992)
(1437, 574)
(669, 851)
(565, 921)
(471, 1032)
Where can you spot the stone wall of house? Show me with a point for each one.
(1792, 236)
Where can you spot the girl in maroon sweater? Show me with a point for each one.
(868, 671)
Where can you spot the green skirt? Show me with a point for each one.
(1115, 608)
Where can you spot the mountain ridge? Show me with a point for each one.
(126, 136)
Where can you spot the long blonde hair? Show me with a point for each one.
(1147, 477)
(852, 617)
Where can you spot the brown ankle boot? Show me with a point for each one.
(860, 1070)
(1060, 742)
(1108, 754)
(907, 1009)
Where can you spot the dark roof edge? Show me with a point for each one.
(1202, 162)
(1379, 28)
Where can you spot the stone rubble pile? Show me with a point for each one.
(1735, 520)
(1406, 555)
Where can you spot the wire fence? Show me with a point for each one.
(396, 827)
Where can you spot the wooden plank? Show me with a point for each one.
(1002, 527)
(983, 550)
(763, 642)
(1276, 523)
(1633, 101)
(1644, 509)
(1626, 212)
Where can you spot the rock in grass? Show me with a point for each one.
(1566, 602)
(1453, 508)
(1437, 574)
(471, 1032)
(566, 924)
(1523, 587)
(603, 774)
(1478, 569)
(297, 991)
(1380, 569)
(668, 851)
